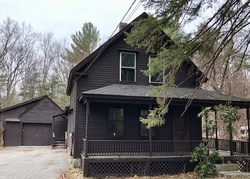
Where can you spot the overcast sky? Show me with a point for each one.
(65, 17)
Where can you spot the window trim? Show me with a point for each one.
(120, 67)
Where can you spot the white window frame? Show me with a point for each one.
(120, 66)
(150, 80)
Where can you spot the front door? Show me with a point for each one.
(12, 136)
(180, 130)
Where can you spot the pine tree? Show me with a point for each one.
(84, 42)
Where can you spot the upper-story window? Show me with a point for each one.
(127, 66)
(157, 77)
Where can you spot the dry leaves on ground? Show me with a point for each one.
(72, 173)
(75, 173)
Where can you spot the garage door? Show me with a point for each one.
(37, 134)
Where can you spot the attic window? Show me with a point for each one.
(127, 66)
(46, 104)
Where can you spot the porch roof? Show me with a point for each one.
(145, 92)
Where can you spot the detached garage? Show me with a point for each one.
(30, 123)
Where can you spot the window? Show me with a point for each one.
(158, 77)
(144, 129)
(127, 66)
(116, 122)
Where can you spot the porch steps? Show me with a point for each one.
(58, 144)
(231, 171)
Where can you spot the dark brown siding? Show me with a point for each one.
(60, 127)
(42, 112)
(103, 72)
(80, 128)
(195, 126)
(35, 114)
(98, 119)
(165, 132)
(15, 112)
(72, 116)
(185, 77)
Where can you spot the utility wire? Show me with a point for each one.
(133, 11)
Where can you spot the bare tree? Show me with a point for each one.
(62, 66)
(46, 57)
(16, 48)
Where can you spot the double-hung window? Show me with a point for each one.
(116, 122)
(157, 77)
(128, 66)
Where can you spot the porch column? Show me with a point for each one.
(150, 136)
(216, 131)
(53, 131)
(86, 130)
(231, 141)
(248, 130)
(206, 128)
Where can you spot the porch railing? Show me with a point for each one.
(239, 146)
(137, 147)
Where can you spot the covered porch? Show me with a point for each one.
(167, 148)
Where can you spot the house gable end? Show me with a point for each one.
(93, 56)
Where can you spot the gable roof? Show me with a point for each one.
(33, 101)
(175, 93)
(98, 52)
(38, 102)
(93, 56)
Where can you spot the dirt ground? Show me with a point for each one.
(74, 173)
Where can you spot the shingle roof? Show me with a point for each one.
(173, 92)
(34, 100)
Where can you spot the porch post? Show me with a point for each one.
(150, 136)
(86, 130)
(206, 130)
(53, 131)
(248, 130)
(231, 141)
(216, 131)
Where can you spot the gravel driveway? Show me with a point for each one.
(32, 162)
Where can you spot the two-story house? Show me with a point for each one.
(108, 95)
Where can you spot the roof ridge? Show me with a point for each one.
(22, 103)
